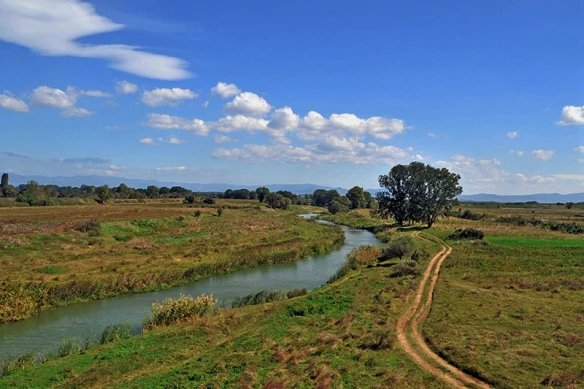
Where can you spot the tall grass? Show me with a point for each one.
(357, 258)
(178, 310)
(266, 296)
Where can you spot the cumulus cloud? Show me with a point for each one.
(43, 96)
(333, 151)
(173, 140)
(284, 119)
(147, 141)
(126, 88)
(12, 103)
(571, 116)
(240, 123)
(248, 104)
(116, 167)
(55, 27)
(165, 96)
(512, 134)
(314, 126)
(167, 122)
(542, 155)
(432, 135)
(537, 179)
(579, 149)
(225, 90)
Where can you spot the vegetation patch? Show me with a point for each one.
(527, 242)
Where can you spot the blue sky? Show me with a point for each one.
(264, 92)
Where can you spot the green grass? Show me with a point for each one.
(527, 242)
(340, 335)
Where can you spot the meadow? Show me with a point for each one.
(507, 309)
(57, 255)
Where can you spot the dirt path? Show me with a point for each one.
(415, 315)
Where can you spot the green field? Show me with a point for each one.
(527, 242)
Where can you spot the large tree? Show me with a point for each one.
(356, 196)
(417, 192)
(262, 192)
(4, 184)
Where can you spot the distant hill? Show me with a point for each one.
(539, 197)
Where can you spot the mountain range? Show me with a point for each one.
(17, 179)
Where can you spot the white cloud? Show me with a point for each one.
(284, 119)
(126, 88)
(314, 126)
(205, 104)
(165, 96)
(173, 140)
(43, 96)
(542, 155)
(248, 104)
(171, 169)
(13, 103)
(571, 116)
(432, 135)
(225, 90)
(519, 153)
(223, 139)
(513, 134)
(240, 123)
(95, 93)
(76, 112)
(167, 122)
(147, 141)
(579, 149)
(54, 28)
(333, 151)
(116, 167)
(537, 179)
(577, 177)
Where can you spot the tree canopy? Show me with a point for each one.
(417, 192)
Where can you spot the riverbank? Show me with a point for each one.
(340, 334)
(53, 258)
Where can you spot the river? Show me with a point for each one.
(45, 331)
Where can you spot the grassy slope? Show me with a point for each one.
(341, 335)
(134, 253)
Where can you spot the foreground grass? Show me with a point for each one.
(511, 312)
(46, 263)
(341, 335)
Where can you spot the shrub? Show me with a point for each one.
(219, 211)
(209, 200)
(398, 247)
(404, 268)
(198, 213)
(115, 332)
(277, 201)
(92, 227)
(469, 215)
(336, 207)
(69, 347)
(177, 310)
(358, 257)
(467, 233)
(180, 218)
(190, 199)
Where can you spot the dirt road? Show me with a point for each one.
(411, 340)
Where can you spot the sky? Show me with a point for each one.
(333, 93)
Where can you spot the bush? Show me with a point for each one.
(358, 257)
(92, 227)
(69, 347)
(115, 332)
(277, 201)
(336, 207)
(398, 247)
(219, 211)
(177, 310)
(209, 200)
(265, 296)
(405, 268)
(190, 199)
(180, 218)
(469, 215)
(198, 213)
(467, 233)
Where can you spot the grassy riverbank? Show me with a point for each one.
(340, 335)
(54, 255)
